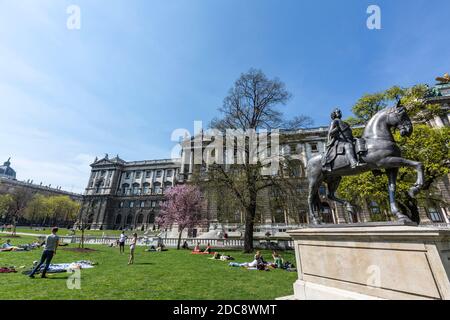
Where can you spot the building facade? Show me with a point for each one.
(126, 195)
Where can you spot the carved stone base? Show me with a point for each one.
(367, 262)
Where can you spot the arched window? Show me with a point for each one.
(140, 218)
(118, 219)
(136, 188)
(157, 188)
(167, 185)
(125, 188)
(146, 188)
(129, 219)
(151, 218)
(90, 218)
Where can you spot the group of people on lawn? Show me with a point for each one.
(51, 244)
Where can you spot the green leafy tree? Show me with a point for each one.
(37, 209)
(63, 209)
(5, 205)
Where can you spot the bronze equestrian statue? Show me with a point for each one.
(376, 150)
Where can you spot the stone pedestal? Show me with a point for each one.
(372, 262)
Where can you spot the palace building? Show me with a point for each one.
(9, 184)
(124, 194)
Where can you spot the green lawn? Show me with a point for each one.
(165, 275)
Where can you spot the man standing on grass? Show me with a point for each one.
(122, 240)
(51, 244)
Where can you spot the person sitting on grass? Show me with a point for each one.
(197, 247)
(185, 245)
(277, 259)
(208, 249)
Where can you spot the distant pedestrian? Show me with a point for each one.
(132, 248)
(122, 240)
(51, 244)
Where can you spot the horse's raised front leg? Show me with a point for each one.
(397, 162)
(392, 185)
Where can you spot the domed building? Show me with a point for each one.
(6, 171)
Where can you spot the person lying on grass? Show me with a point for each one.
(7, 246)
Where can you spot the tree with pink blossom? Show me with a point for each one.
(182, 208)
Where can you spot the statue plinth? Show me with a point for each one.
(372, 262)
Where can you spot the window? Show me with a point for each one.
(169, 173)
(136, 189)
(137, 175)
(374, 208)
(327, 215)
(127, 175)
(129, 219)
(322, 190)
(435, 215)
(167, 185)
(118, 219)
(103, 173)
(314, 147)
(153, 204)
(121, 204)
(131, 204)
(157, 188)
(293, 148)
(125, 188)
(140, 218)
(146, 188)
(158, 173)
(142, 204)
(147, 174)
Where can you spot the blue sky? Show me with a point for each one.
(138, 69)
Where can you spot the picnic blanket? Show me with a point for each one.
(7, 270)
(201, 252)
(64, 267)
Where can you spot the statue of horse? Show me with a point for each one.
(381, 153)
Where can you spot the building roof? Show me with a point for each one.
(7, 171)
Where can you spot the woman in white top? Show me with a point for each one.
(132, 247)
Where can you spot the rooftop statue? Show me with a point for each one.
(444, 80)
(376, 150)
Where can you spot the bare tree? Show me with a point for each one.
(251, 105)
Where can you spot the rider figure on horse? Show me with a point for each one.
(340, 141)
